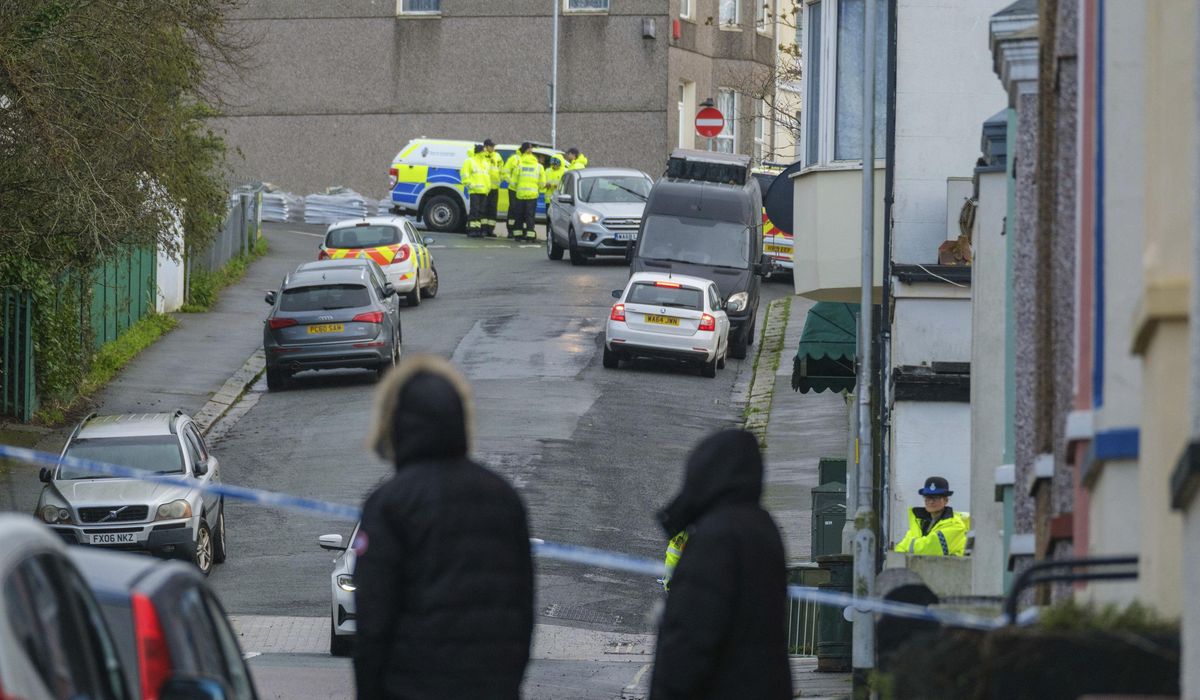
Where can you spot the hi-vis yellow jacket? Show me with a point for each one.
(671, 560)
(946, 537)
(476, 173)
(496, 168)
(530, 177)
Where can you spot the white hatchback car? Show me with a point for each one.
(669, 316)
(342, 625)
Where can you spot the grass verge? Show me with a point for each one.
(204, 286)
(107, 361)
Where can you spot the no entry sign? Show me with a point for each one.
(709, 122)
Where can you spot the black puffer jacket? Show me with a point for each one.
(444, 573)
(723, 633)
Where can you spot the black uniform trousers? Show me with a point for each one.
(489, 212)
(478, 204)
(523, 213)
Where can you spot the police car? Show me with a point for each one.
(391, 242)
(425, 182)
(777, 243)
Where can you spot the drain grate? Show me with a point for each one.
(580, 613)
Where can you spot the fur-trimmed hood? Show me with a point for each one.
(423, 410)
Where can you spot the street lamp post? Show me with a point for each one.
(554, 81)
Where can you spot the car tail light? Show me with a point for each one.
(154, 656)
(281, 322)
(708, 323)
(322, 254)
(393, 175)
(618, 312)
(370, 317)
(672, 285)
(402, 253)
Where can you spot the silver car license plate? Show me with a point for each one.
(626, 236)
(113, 538)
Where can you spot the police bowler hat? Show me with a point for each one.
(936, 486)
(489, 142)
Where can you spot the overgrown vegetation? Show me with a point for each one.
(204, 286)
(106, 363)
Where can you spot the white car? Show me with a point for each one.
(669, 316)
(342, 625)
(394, 244)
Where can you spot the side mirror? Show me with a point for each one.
(270, 298)
(191, 688)
(331, 542)
(564, 199)
(616, 294)
(720, 305)
(388, 290)
(201, 468)
(46, 474)
(428, 240)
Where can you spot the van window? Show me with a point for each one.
(697, 241)
(362, 237)
(674, 297)
(325, 297)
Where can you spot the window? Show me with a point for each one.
(687, 108)
(604, 189)
(419, 7)
(585, 5)
(685, 9)
(682, 117)
(812, 102)
(152, 453)
(674, 297)
(760, 130)
(698, 241)
(848, 121)
(325, 297)
(764, 19)
(730, 16)
(238, 675)
(362, 237)
(727, 103)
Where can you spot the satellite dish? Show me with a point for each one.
(779, 198)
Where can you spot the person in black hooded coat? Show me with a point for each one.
(444, 573)
(723, 633)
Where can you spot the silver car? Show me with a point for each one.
(323, 319)
(342, 624)
(596, 212)
(120, 513)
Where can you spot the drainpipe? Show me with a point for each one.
(863, 658)
(885, 313)
(554, 82)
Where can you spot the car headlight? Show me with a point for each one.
(174, 510)
(346, 582)
(736, 302)
(588, 218)
(53, 514)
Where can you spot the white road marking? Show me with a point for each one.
(307, 233)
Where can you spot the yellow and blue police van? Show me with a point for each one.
(777, 242)
(425, 181)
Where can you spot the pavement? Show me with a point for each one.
(209, 364)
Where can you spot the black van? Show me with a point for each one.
(704, 218)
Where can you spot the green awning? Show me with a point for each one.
(825, 359)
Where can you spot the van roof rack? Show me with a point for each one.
(708, 166)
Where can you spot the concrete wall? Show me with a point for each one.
(988, 276)
(1162, 328)
(945, 89)
(916, 426)
(827, 226)
(927, 328)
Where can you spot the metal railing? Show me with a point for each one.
(802, 627)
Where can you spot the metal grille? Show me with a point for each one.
(102, 514)
(802, 627)
(622, 225)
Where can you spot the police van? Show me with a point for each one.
(425, 181)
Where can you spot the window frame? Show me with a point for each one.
(401, 12)
(567, 9)
(761, 142)
(765, 16)
(731, 122)
(736, 24)
(685, 9)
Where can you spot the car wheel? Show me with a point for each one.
(204, 549)
(219, 541)
(553, 250)
(276, 380)
(413, 298)
(577, 258)
(709, 369)
(443, 213)
(431, 290)
(339, 644)
(737, 345)
(611, 359)
(751, 333)
(721, 360)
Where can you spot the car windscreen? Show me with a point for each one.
(608, 190)
(152, 453)
(362, 237)
(674, 297)
(324, 297)
(697, 241)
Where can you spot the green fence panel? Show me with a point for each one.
(124, 288)
(18, 386)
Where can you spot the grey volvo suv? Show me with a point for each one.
(119, 513)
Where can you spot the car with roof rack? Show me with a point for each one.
(171, 520)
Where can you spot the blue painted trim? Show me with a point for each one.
(1116, 443)
(1098, 282)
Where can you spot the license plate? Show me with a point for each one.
(326, 328)
(626, 236)
(778, 249)
(114, 538)
(662, 320)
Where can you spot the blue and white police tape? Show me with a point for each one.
(588, 556)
